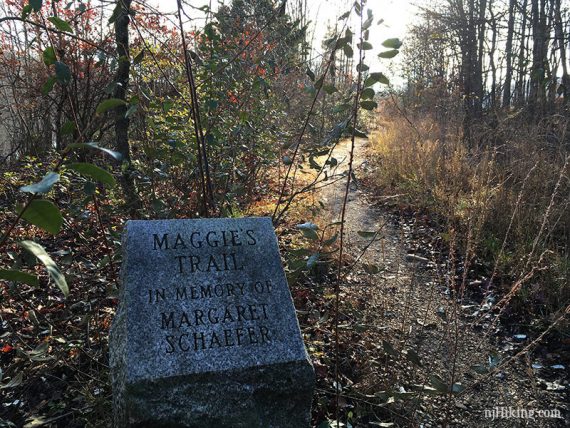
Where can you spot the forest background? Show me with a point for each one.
(116, 109)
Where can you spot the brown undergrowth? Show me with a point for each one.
(504, 201)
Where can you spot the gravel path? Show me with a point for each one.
(406, 314)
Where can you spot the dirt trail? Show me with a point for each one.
(407, 305)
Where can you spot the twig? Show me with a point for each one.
(53, 30)
(208, 194)
(330, 61)
(342, 225)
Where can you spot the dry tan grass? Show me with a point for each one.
(508, 198)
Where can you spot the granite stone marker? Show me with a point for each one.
(206, 334)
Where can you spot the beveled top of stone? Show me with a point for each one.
(205, 295)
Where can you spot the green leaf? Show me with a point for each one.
(310, 89)
(382, 78)
(41, 349)
(311, 75)
(19, 276)
(38, 251)
(368, 104)
(342, 42)
(330, 241)
(60, 24)
(357, 8)
(287, 160)
(367, 94)
(368, 23)
(131, 110)
(365, 46)
(158, 205)
(139, 57)
(68, 128)
(362, 67)
(47, 87)
(43, 186)
(457, 388)
(425, 389)
(49, 56)
(62, 73)
(93, 145)
(211, 104)
(296, 265)
(313, 164)
(26, 10)
(479, 368)
(348, 51)
(89, 188)
(116, 12)
(308, 225)
(366, 234)
(376, 77)
(344, 16)
(413, 357)
(438, 384)
(357, 132)
(311, 234)
(330, 89)
(309, 230)
(167, 105)
(342, 107)
(392, 43)
(36, 5)
(45, 215)
(210, 31)
(389, 54)
(371, 269)
(14, 382)
(494, 360)
(331, 43)
(39, 353)
(109, 104)
(389, 349)
(94, 172)
(300, 252)
(312, 260)
(319, 82)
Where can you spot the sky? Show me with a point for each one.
(397, 15)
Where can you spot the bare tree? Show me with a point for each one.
(509, 55)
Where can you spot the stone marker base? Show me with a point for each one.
(276, 396)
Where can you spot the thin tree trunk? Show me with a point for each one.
(494, 30)
(122, 77)
(509, 55)
(565, 89)
(537, 75)
(120, 92)
(551, 63)
(479, 55)
(521, 69)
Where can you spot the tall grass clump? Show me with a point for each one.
(505, 195)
